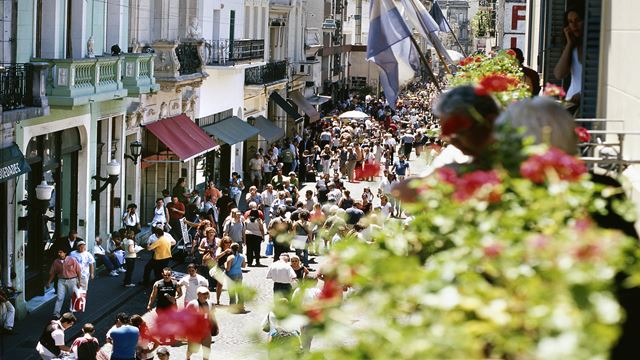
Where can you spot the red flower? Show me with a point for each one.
(330, 290)
(180, 324)
(554, 91)
(468, 184)
(511, 52)
(492, 250)
(588, 252)
(454, 124)
(495, 83)
(478, 59)
(315, 314)
(566, 167)
(583, 134)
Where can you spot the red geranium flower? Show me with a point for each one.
(554, 91)
(567, 167)
(511, 52)
(495, 83)
(468, 184)
(454, 124)
(583, 134)
(492, 250)
(180, 324)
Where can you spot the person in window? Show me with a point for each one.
(531, 77)
(571, 60)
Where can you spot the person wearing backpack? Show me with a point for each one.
(233, 269)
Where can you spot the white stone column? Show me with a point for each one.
(79, 33)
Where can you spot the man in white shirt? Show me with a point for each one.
(268, 197)
(283, 276)
(191, 282)
(86, 261)
(51, 344)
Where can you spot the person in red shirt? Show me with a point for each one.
(176, 211)
(69, 274)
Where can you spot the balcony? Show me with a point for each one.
(179, 64)
(266, 74)
(138, 75)
(75, 82)
(22, 91)
(226, 52)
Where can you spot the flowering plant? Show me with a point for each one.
(492, 265)
(499, 75)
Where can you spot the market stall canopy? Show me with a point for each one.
(268, 130)
(306, 106)
(231, 130)
(182, 136)
(354, 115)
(286, 106)
(455, 56)
(12, 163)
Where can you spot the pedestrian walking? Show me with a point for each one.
(254, 235)
(161, 252)
(124, 339)
(87, 264)
(234, 228)
(166, 291)
(191, 282)
(86, 347)
(129, 246)
(69, 275)
(283, 276)
(203, 305)
(233, 269)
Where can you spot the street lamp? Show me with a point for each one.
(136, 150)
(113, 170)
(43, 196)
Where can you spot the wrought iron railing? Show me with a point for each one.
(265, 74)
(188, 57)
(223, 52)
(15, 88)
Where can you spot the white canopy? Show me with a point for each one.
(455, 56)
(353, 115)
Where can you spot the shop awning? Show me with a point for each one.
(231, 130)
(318, 99)
(182, 136)
(286, 106)
(268, 130)
(303, 104)
(12, 163)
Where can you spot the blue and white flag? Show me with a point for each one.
(422, 21)
(390, 47)
(438, 16)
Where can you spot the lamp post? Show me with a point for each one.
(113, 171)
(136, 150)
(43, 196)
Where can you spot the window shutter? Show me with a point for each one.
(590, 73)
(553, 38)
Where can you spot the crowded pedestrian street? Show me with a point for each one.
(319, 179)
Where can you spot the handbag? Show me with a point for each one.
(167, 227)
(269, 250)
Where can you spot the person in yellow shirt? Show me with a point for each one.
(161, 251)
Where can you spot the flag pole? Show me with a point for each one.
(425, 62)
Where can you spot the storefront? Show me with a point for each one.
(53, 158)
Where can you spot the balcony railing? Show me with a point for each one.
(15, 86)
(190, 62)
(265, 74)
(138, 75)
(77, 81)
(228, 52)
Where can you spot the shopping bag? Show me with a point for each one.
(299, 242)
(78, 300)
(269, 250)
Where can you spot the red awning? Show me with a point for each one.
(182, 136)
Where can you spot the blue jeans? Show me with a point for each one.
(105, 260)
(65, 286)
(304, 255)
